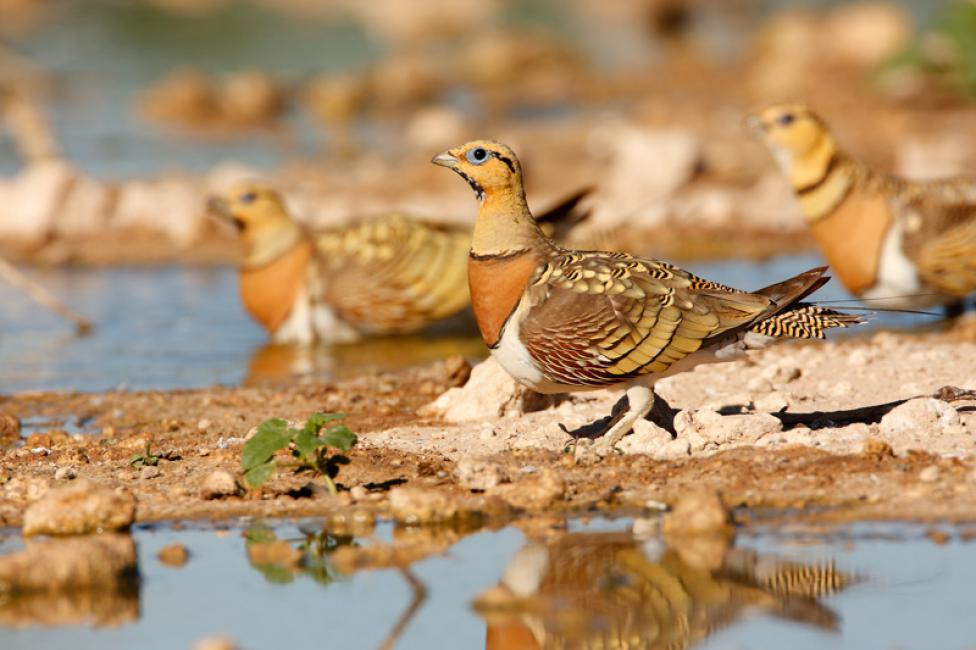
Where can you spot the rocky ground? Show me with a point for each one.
(788, 427)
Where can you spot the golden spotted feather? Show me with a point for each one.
(601, 318)
(394, 274)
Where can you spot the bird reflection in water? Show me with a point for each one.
(610, 590)
(279, 364)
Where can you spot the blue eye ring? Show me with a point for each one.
(786, 119)
(477, 156)
(250, 197)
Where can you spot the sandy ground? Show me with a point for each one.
(916, 460)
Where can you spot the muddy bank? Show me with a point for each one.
(737, 432)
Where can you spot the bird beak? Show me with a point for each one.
(218, 207)
(753, 123)
(445, 159)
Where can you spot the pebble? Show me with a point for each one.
(647, 438)
(476, 473)
(219, 483)
(930, 474)
(66, 473)
(921, 415)
(697, 512)
(148, 472)
(216, 643)
(675, 450)
(174, 555)
(536, 492)
(204, 424)
(358, 492)
(85, 562)
(411, 505)
(79, 508)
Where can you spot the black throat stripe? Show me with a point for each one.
(832, 166)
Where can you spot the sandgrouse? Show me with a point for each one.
(898, 243)
(389, 274)
(563, 320)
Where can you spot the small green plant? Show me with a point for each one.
(145, 459)
(311, 446)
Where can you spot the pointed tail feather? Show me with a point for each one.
(791, 318)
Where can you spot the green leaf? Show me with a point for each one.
(258, 475)
(340, 437)
(306, 443)
(316, 421)
(275, 574)
(271, 436)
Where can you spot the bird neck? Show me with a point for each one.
(822, 179)
(265, 243)
(505, 225)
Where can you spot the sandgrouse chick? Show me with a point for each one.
(389, 274)
(899, 243)
(563, 320)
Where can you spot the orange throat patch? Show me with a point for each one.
(851, 237)
(497, 285)
(269, 292)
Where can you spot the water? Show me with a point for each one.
(184, 327)
(877, 586)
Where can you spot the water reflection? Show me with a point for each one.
(276, 364)
(87, 580)
(611, 590)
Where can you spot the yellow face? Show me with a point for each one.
(250, 206)
(488, 167)
(792, 131)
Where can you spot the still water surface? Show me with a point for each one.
(860, 586)
(184, 327)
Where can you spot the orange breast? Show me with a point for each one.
(269, 292)
(851, 237)
(496, 287)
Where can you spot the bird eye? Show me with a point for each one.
(477, 155)
(250, 197)
(786, 119)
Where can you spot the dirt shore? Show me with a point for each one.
(785, 428)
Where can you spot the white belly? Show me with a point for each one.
(516, 360)
(898, 285)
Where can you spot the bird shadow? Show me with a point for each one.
(663, 414)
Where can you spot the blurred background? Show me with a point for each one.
(118, 118)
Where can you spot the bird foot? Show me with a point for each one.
(638, 402)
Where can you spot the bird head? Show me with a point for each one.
(490, 168)
(251, 207)
(793, 133)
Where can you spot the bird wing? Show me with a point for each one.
(394, 274)
(939, 224)
(600, 318)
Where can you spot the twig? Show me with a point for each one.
(43, 297)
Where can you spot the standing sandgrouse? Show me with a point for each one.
(390, 274)
(899, 243)
(563, 320)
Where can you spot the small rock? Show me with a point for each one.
(75, 563)
(930, 474)
(216, 643)
(782, 373)
(537, 492)
(939, 537)
(9, 426)
(675, 450)
(698, 512)
(773, 402)
(476, 473)
(647, 438)
(174, 555)
(204, 424)
(148, 472)
(457, 370)
(80, 508)
(219, 483)
(412, 505)
(358, 492)
(918, 416)
(877, 448)
(66, 473)
(490, 392)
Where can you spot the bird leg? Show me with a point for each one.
(640, 401)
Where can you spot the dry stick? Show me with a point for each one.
(42, 296)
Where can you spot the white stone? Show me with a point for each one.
(475, 473)
(647, 438)
(919, 416)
